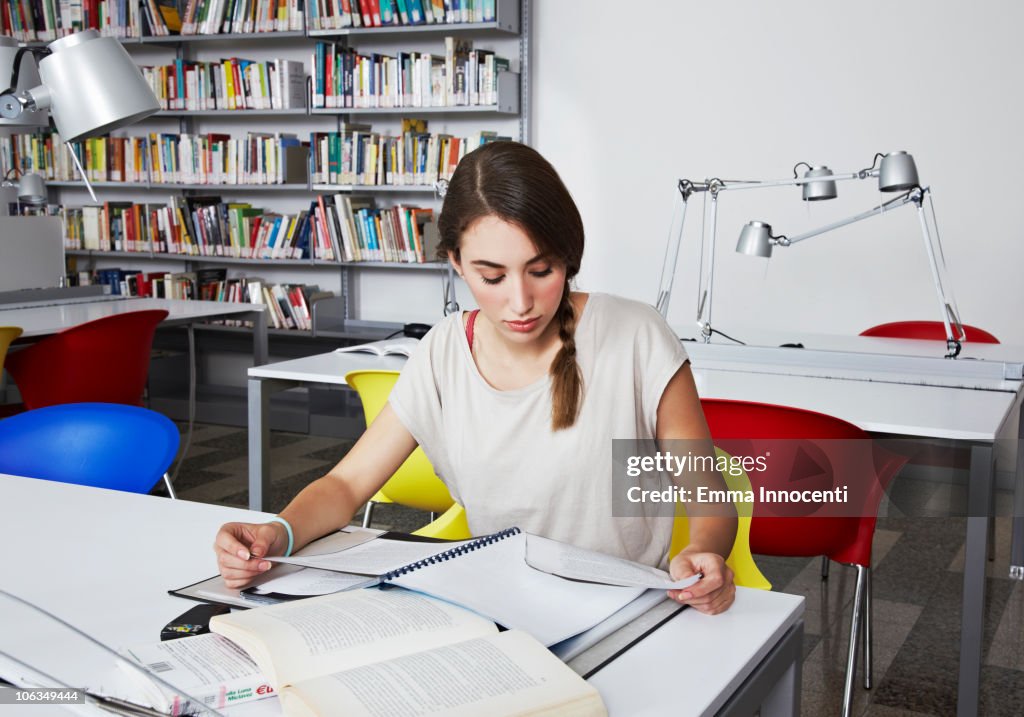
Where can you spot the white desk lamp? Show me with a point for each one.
(897, 172)
(88, 85)
(31, 187)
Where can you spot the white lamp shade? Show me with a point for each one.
(91, 86)
(27, 77)
(755, 239)
(31, 189)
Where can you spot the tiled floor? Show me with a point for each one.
(917, 577)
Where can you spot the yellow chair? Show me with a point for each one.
(414, 484)
(740, 559)
(7, 335)
(451, 525)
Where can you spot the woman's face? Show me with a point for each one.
(516, 289)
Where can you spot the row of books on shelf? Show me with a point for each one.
(333, 229)
(212, 17)
(463, 76)
(289, 306)
(359, 156)
(258, 158)
(47, 20)
(339, 14)
(228, 84)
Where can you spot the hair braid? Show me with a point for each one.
(566, 377)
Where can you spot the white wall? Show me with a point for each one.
(630, 97)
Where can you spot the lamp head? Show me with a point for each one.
(755, 240)
(819, 190)
(31, 189)
(91, 86)
(897, 173)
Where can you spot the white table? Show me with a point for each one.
(118, 553)
(49, 319)
(970, 414)
(973, 399)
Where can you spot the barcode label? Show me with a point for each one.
(160, 666)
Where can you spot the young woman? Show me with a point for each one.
(517, 404)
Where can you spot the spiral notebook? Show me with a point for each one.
(490, 576)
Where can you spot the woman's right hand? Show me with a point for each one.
(241, 547)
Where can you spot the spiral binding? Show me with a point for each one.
(449, 554)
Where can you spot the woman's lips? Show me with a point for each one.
(523, 326)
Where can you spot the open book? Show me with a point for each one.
(568, 589)
(373, 652)
(401, 345)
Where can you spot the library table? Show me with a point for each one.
(109, 577)
(44, 318)
(899, 405)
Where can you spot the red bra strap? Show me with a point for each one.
(470, 322)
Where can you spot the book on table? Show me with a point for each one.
(400, 346)
(394, 651)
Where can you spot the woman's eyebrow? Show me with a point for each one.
(496, 265)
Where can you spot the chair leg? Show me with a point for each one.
(868, 631)
(170, 488)
(824, 567)
(855, 624)
(367, 513)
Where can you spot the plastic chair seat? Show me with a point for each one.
(127, 448)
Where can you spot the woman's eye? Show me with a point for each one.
(541, 274)
(495, 280)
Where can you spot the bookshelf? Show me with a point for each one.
(357, 285)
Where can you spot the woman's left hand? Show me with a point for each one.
(714, 592)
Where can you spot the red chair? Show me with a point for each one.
(101, 361)
(931, 330)
(808, 450)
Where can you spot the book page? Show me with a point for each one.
(320, 635)
(375, 557)
(208, 667)
(311, 581)
(494, 580)
(505, 674)
(569, 561)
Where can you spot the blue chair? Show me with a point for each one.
(105, 445)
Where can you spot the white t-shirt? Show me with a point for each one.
(497, 453)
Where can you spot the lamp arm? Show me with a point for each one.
(794, 181)
(881, 208)
(671, 259)
(13, 105)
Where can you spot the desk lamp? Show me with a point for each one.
(31, 187)
(89, 86)
(896, 172)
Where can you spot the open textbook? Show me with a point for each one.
(400, 345)
(386, 651)
(566, 591)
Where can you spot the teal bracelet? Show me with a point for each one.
(288, 529)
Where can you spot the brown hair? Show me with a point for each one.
(514, 183)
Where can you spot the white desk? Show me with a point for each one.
(120, 553)
(44, 320)
(964, 414)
